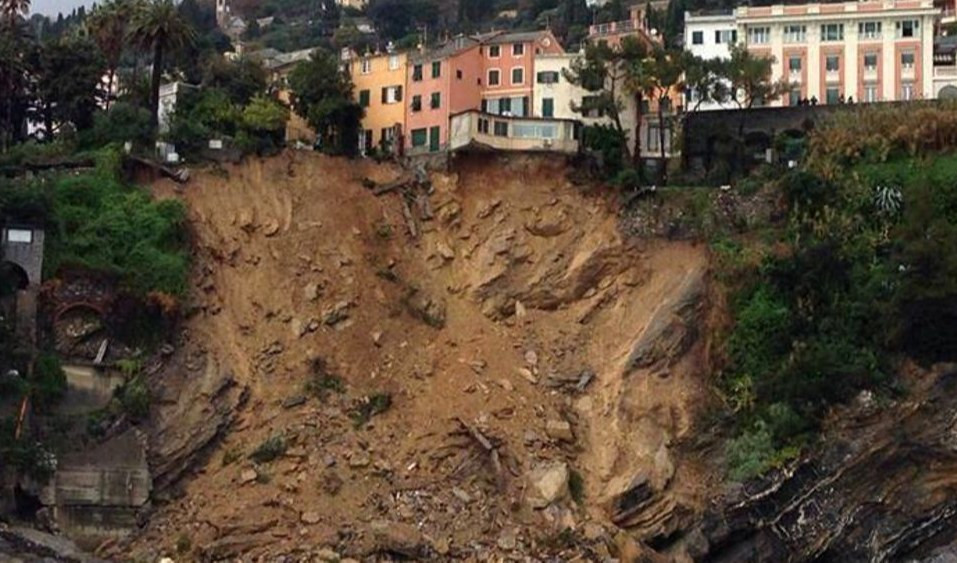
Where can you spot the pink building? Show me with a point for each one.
(508, 61)
(440, 82)
(494, 73)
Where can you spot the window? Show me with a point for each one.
(392, 94)
(870, 93)
(417, 73)
(697, 38)
(435, 142)
(501, 129)
(794, 97)
(505, 106)
(364, 98)
(907, 28)
(795, 33)
(416, 103)
(832, 63)
(549, 77)
(759, 35)
(548, 107)
(483, 125)
(494, 77)
(494, 51)
(833, 95)
(725, 36)
(907, 61)
(393, 62)
(458, 74)
(420, 137)
(534, 131)
(518, 75)
(436, 101)
(907, 91)
(365, 66)
(518, 49)
(794, 64)
(832, 32)
(869, 30)
(870, 62)
(436, 69)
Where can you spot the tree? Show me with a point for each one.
(66, 82)
(241, 79)
(12, 10)
(657, 77)
(321, 93)
(16, 47)
(107, 26)
(749, 81)
(397, 18)
(158, 26)
(603, 72)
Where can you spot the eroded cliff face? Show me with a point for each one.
(538, 366)
(511, 377)
(882, 486)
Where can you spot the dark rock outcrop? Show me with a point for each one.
(882, 488)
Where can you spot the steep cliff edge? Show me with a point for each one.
(487, 386)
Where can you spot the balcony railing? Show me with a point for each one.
(498, 132)
(613, 28)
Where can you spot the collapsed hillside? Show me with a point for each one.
(513, 380)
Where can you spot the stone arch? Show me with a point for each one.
(62, 310)
(16, 274)
(23, 246)
(948, 92)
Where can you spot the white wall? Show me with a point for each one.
(709, 48)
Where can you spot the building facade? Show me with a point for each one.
(379, 87)
(868, 51)
(709, 36)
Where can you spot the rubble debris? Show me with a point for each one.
(547, 483)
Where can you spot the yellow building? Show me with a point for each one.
(379, 88)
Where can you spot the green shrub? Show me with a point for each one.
(123, 122)
(49, 384)
(370, 406)
(134, 397)
(271, 449)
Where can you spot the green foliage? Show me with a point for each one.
(123, 122)
(67, 74)
(612, 146)
(48, 384)
(26, 456)
(370, 406)
(100, 224)
(135, 399)
(271, 449)
(322, 95)
(321, 382)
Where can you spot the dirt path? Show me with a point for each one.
(534, 287)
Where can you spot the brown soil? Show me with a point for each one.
(537, 285)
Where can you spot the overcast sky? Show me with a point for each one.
(53, 7)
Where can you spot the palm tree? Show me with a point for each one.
(11, 9)
(107, 26)
(158, 26)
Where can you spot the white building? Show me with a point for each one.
(867, 51)
(710, 36)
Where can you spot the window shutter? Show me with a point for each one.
(398, 93)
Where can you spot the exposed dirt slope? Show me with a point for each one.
(519, 309)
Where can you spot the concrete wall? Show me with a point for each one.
(27, 255)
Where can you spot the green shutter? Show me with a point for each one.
(434, 141)
(548, 107)
(364, 98)
(436, 69)
(419, 137)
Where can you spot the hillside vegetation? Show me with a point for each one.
(860, 277)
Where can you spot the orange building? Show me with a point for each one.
(379, 82)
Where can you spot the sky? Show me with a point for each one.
(53, 7)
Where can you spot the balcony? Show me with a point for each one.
(870, 73)
(832, 76)
(474, 129)
(945, 72)
(613, 28)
